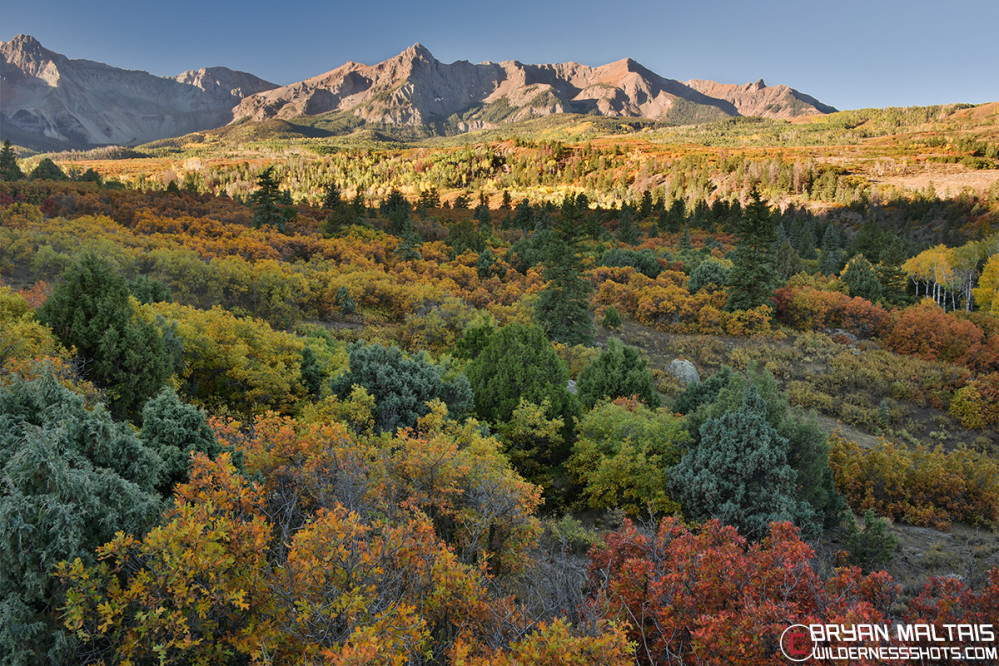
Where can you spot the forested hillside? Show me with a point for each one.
(613, 400)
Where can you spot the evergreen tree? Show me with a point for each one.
(831, 262)
(708, 274)
(464, 236)
(518, 362)
(753, 277)
(474, 340)
(627, 230)
(395, 208)
(506, 200)
(739, 473)
(806, 451)
(523, 216)
(806, 244)
(685, 240)
(429, 199)
(344, 301)
(332, 198)
(645, 207)
(360, 208)
(894, 281)
(339, 219)
(862, 279)
(401, 385)
(265, 202)
(674, 219)
(486, 263)
(617, 372)
(9, 170)
(90, 310)
(47, 170)
(311, 372)
(563, 306)
(787, 262)
(174, 430)
(831, 238)
(873, 548)
(612, 318)
(869, 241)
(483, 216)
(702, 393)
(147, 290)
(72, 478)
(408, 248)
(644, 261)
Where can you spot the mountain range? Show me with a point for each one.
(49, 101)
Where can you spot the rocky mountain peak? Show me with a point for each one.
(418, 52)
(52, 102)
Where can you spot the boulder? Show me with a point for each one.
(683, 370)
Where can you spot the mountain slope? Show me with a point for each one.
(50, 101)
(414, 88)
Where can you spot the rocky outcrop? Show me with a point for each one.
(52, 101)
(759, 99)
(683, 370)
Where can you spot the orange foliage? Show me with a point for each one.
(712, 597)
(928, 332)
(807, 308)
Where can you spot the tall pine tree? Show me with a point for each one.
(9, 170)
(563, 306)
(754, 278)
(265, 201)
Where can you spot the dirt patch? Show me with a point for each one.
(954, 180)
(864, 439)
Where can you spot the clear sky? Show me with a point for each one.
(847, 53)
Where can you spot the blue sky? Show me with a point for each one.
(846, 53)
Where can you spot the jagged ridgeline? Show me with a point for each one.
(52, 102)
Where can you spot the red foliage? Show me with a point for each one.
(712, 597)
(950, 601)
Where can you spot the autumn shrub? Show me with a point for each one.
(948, 600)
(356, 586)
(748, 322)
(235, 362)
(711, 596)
(926, 331)
(623, 456)
(808, 309)
(919, 485)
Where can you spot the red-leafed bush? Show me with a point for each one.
(712, 597)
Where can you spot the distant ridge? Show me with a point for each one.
(414, 88)
(48, 101)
